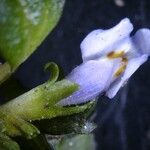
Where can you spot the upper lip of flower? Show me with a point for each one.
(100, 42)
(102, 48)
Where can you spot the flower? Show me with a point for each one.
(110, 57)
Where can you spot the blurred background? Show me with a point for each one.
(124, 122)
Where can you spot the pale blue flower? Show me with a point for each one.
(110, 57)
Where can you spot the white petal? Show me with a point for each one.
(142, 41)
(100, 42)
(92, 77)
(132, 66)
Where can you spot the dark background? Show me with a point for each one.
(124, 122)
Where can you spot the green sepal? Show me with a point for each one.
(7, 144)
(24, 25)
(15, 126)
(75, 123)
(54, 70)
(37, 143)
(12, 88)
(38, 104)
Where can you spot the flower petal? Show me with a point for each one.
(142, 41)
(92, 77)
(132, 66)
(100, 42)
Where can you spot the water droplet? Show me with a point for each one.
(32, 10)
(31, 133)
(88, 127)
(70, 144)
(119, 3)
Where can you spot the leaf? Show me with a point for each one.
(24, 25)
(77, 142)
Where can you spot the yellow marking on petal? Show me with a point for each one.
(124, 59)
(122, 67)
(120, 71)
(120, 54)
(113, 54)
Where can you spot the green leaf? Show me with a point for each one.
(24, 25)
(77, 142)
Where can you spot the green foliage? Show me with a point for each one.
(37, 111)
(26, 115)
(24, 25)
(26, 118)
